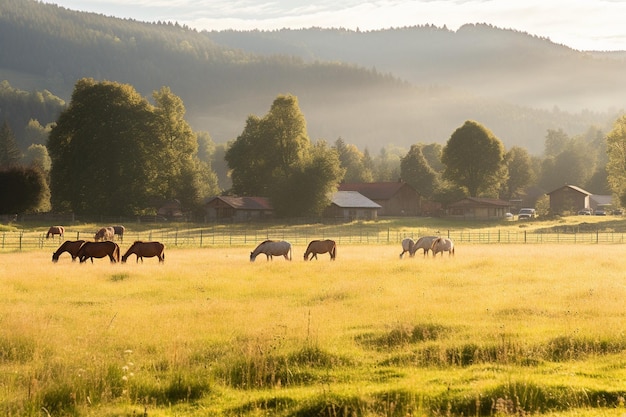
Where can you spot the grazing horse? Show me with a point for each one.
(145, 249)
(69, 246)
(321, 246)
(99, 250)
(105, 233)
(442, 244)
(407, 246)
(55, 230)
(425, 243)
(272, 248)
(119, 230)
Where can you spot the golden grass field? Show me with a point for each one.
(494, 330)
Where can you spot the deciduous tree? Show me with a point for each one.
(113, 153)
(273, 157)
(474, 159)
(616, 167)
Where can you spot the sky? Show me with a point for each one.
(579, 24)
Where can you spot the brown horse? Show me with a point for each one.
(55, 230)
(321, 246)
(105, 233)
(145, 249)
(99, 250)
(119, 230)
(69, 246)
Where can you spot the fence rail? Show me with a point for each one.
(211, 236)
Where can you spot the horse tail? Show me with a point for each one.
(334, 251)
(116, 253)
(289, 252)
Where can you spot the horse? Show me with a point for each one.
(55, 230)
(407, 246)
(272, 248)
(119, 230)
(105, 233)
(69, 246)
(99, 250)
(425, 243)
(147, 249)
(442, 244)
(321, 246)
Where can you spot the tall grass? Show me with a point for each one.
(495, 330)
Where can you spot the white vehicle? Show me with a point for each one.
(526, 214)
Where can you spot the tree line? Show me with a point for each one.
(113, 152)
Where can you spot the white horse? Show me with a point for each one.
(425, 243)
(272, 248)
(442, 244)
(407, 246)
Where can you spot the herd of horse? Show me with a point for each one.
(103, 246)
(82, 250)
(271, 248)
(435, 244)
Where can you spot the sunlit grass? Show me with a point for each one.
(529, 326)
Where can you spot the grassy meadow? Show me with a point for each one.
(494, 330)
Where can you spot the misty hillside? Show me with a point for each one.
(503, 64)
(374, 88)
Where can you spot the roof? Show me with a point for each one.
(352, 199)
(375, 190)
(478, 201)
(572, 187)
(245, 203)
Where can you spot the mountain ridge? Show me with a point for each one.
(369, 104)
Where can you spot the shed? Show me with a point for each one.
(478, 208)
(395, 198)
(569, 198)
(238, 209)
(352, 205)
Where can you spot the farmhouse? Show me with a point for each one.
(238, 209)
(395, 198)
(478, 208)
(569, 198)
(352, 205)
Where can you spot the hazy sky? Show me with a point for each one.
(580, 24)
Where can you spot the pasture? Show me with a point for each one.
(499, 329)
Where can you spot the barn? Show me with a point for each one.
(351, 205)
(395, 198)
(478, 208)
(238, 209)
(569, 199)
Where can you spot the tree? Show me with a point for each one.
(113, 153)
(273, 157)
(414, 170)
(10, 154)
(23, 190)
(520, 173)
(556, 142)
(616, 167)
(352, 161)
(474, 159)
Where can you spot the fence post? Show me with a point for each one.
(21, 234)
(200, 237)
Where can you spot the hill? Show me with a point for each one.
(399, 86)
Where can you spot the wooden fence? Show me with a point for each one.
(11, 241)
